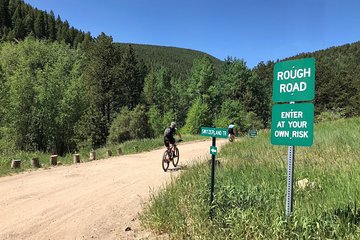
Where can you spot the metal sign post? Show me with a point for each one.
(289, 180)
(213, 133)
(289, 186)
(212, 184)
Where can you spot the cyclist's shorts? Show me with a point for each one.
(167, 141)
(231, 131)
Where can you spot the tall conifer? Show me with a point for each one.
(39, 25)
(5, 20)
(51, 26)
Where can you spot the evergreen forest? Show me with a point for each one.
(63, 89)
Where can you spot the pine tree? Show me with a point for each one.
(86, 41)
(39, 26)
(65, 33)
(149, 88)
(29, 23)
(5, 19)
(101, 80)
(13, 6)
(19, 28)
(52, 26)
(79, 38)
(58, 27)
(72, 35)
(46, 25)
(132, 78)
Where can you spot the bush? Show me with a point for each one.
(197, 117)
(155, 121)
(130, 125)
(252, 121)
(138, 126)
(331, 115)
(232, 111)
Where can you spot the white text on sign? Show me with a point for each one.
(214, 132)
(293, 74)
(291, 126)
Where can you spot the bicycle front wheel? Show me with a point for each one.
(176, 157)
(165, 161)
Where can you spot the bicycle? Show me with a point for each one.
(170, 155)
(231, 137)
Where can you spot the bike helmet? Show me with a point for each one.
(173, 124)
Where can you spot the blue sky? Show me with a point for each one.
(253, 30)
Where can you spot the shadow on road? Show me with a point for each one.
(178, 168)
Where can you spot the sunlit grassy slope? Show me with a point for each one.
(250, 191)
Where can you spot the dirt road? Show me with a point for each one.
(93, 200)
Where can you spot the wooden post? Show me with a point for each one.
(53, 160)
(16, 163)
(119, 151)
(109, 153)
(35, 162)
(76, 158)
(92, 155)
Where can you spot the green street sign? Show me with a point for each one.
(292, 124)
(252, 133)
(294, 80)
(213, 150)
(214, 132)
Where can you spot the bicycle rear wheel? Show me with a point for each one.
(165, 161)
(176, 157)
(231, 137)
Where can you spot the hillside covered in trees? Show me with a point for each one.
(60, 92)
(178, 60)
(337, 83)
(19, 20)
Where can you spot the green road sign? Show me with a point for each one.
(292, 124)
(214, 132)
(252, 133)
(213, 150)
(294, 80)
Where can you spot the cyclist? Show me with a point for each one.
(231, 132)
(169, 135)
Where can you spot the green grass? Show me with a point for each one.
(250, 191)
(129, 147)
